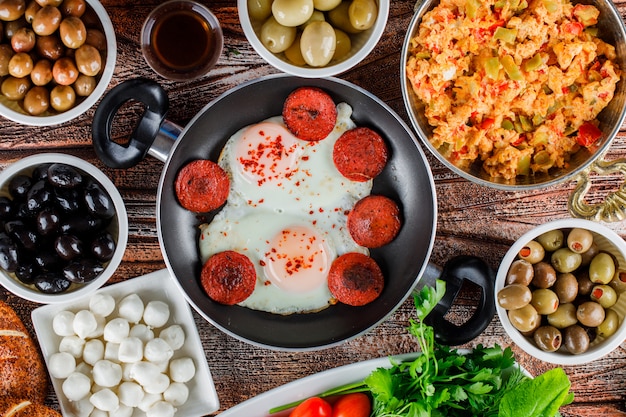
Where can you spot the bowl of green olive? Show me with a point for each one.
(57, 58)
(313, 38)
(560, 291)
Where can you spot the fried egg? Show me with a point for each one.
(286, 212)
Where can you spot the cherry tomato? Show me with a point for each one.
(588, 134)
(312, 407)
(352, 405)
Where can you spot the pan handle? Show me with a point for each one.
(153, 134)
(454, 273)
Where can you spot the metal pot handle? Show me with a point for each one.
(454, 273)
(150, 130)
(613, 208)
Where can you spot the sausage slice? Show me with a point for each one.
(310, 113)
(202, 186)
(360, 154)
(374, 221)
(355, 279)
(228, 277)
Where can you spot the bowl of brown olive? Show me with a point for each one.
(313, 38)
(560, 291)
(57, 58)
(63, 228)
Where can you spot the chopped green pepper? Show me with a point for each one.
(505, 35)
(507, 124)
(551, 6)
(492, 67)
(511, 68)
(523, 165)
(471, 8)
(534, 63)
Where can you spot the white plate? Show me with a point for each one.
(158, 285)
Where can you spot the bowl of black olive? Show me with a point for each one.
(63, 228)
(560, 291)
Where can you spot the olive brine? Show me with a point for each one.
(560, 290)
(54, 228)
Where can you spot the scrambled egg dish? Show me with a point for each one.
(517, 84)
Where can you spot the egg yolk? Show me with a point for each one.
(298, 259)
(268, 153)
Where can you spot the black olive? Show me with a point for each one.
(22, 234)
(19, 186)
(68, 247)
(41, 172)
(26, 271)
(103, 247)
(81, 225)
(38, 196)
(48, 221)
(48, 260)
(98, 201)
(7, 209)
(67, 199)
(64, 176)
(8, 253)
(52, 283)
(82, 270)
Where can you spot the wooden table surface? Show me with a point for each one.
(471, 219)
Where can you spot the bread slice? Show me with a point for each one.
(25, 408)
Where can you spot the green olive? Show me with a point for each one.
(11, 10)
(318, 44)
(564, 316)
(37, 100)
(363, 14)
(344, 45)
(340, 18)
(259, 9)
(566, 287)
(590, 314)
(42, 72)
(564, 260)
(520, 272)
(15, 88)
(46, 21)
(275, 36)
(532, 252)
(294, 54)
(579, 240)
(64, 71)
(50, 47)
(576, 340)
(604, 294)
(601, 268)
(545, 301)
(6, 52)
(88, 60)
(292, 13)
(548, 338)
(544, 275)
(62, 97)
(610, 324)
(74, 8)
(31, 9)
(20, 65)
(84, 85)
(524, 319)
(23, 40)
(325, 5)
(73, 32)
(317, 16)
(514, 296)
(551, 240)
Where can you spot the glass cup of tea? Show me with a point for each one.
(181, 40)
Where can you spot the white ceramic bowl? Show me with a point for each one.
(156, 286)
(608, 241)
(362, 45)
(12, 110)
(118, 228)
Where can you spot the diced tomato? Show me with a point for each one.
(588, 134)
(487, 123)
(519, 140)
(573, 28)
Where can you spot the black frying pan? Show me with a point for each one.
(406, 179)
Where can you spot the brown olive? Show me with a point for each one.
(579, 240)
(50, 47)
(564, 316)
(88, 60)
(576, 339)
(603, 294)
(73, 7)
(15, 88)
(73, 32)
(589, 254)
(610, 324)
(20, 65)
(23, 40)
(566, 287)
(62, 97)
(13, 26)
(41, 73)
(6, 52)
(97, 39)
(564, 260)
(12, 9)
(532, 252)
(548, 338)
(84, 85)
(514, 296)
(520, 272)
(31, 8)
(545, 301)
(551, 240)
(37, 100)
(584, 283)
(46, 21)
(544, 275)
(64, 71)
(1, 30)
(590, 314)
(524, 319)
(54, 3)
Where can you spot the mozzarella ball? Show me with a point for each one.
(84, 368)
(122, 411)
(156, 314)
(107, 374)
(130, 393)
(61, 364)
(148, 401)
(131, 350)
(112, 352)
(158, 385)
(63, 323)
(116, 330)
(100, 322)
(98, 413)
(182, 369)
(158, 350)
(93, 351)
(82, 408)
(176, 394)
(143, 332)
(131, 308)
(143, 372)
(105, 400)
(84, 323)
(174, 336)
(126, 367)
(72, 345)
(161, 409)
(76, 386)
(102, 304)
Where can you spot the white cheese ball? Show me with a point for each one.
(144, 372)
(63, 323)
(102, 304)
(182, 369)
(116, 330)
(148, 401)
(156, 314)
(122, 411)
(84, 323)
(176, 394)
(72, 345)
(112, 351)
(105, 400)
(158, 350)
(161, 409)
(61, 365)
(76, 386)
(93, 351)
(130, 350)
(158, 385)
(131, 308)
(101, 321)
(174, 335)
(82, 408)
(130, 393)
(142, 331)
(84, 368)
(98, 413)
(106, 373)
